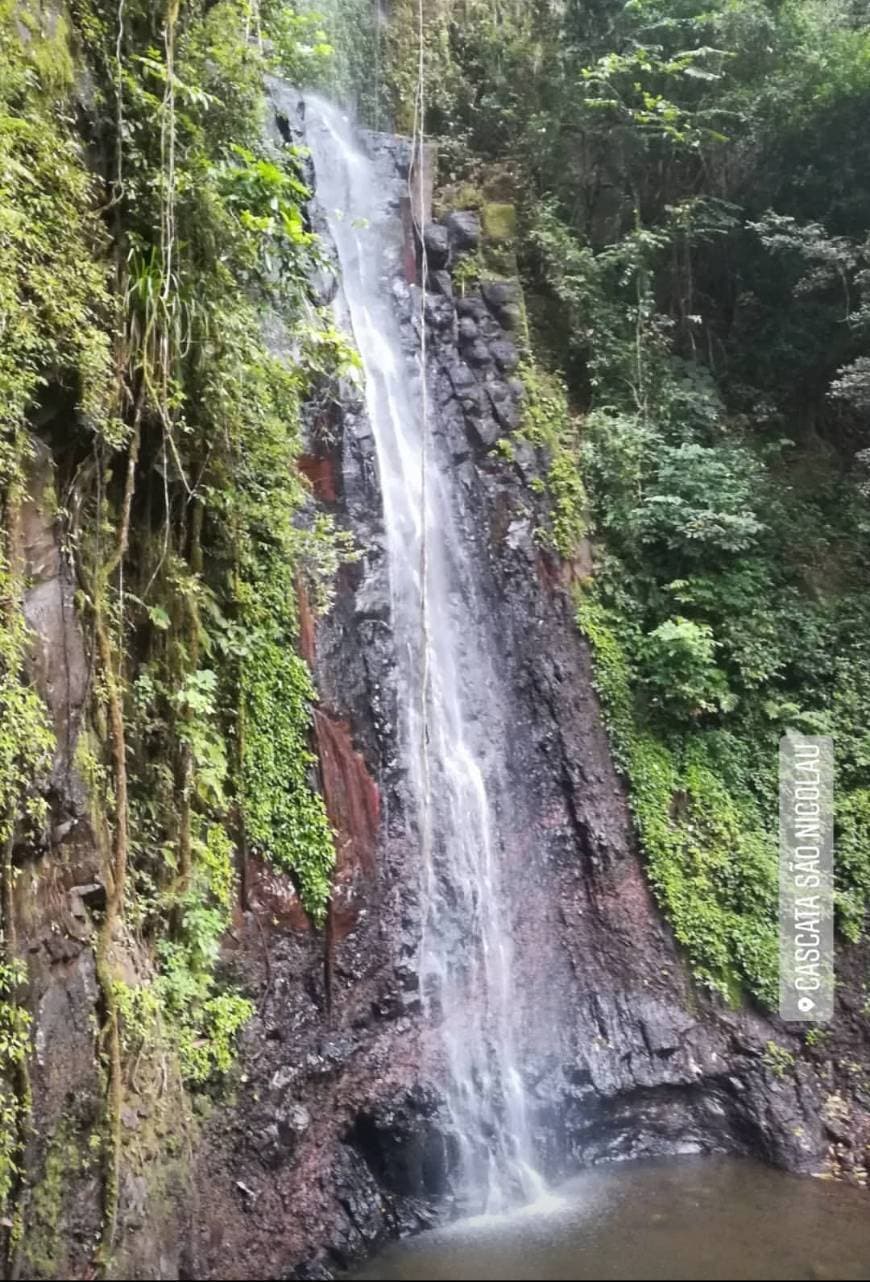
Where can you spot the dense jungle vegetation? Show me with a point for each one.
(156, 335)
(694, 205)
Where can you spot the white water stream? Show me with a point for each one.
(453, 730)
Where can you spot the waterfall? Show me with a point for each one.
(454, 727)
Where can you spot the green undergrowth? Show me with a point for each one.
(711, 641)
(705, 804)
(14, 1048)
(282, 813)
(703, 666)
(549, 424)
(53, 288)
(187, 1010)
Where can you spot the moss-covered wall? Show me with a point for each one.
(149, 217)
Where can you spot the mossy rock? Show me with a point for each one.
(461, 195)
(499, 222)
(499, 261)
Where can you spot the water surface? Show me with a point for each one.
(704, 1219)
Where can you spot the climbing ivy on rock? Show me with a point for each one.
(284, 817)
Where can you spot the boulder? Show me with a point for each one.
(472, 305)
(485, 430)
(463, 228)
(477, 353)
(504, 298)
(499, 293)
(468, 330)
(436, 243)
(504, 405)
(511, 317)
(441, 283)
(439, 312)
(505, 355)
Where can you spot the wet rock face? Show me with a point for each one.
(55, 894)
(58, 664)
(408, 1143)
(332, 1142)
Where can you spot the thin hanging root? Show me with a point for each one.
(115, 892)
(21, 1084)
(111, 1034)
(181, 884)
(116, 879)
(116, 871)
(117, 729)
(186, 770)
(176, 458)
(123, 541)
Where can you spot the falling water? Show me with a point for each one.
(454, 728)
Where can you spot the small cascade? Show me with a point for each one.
(454, 716)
